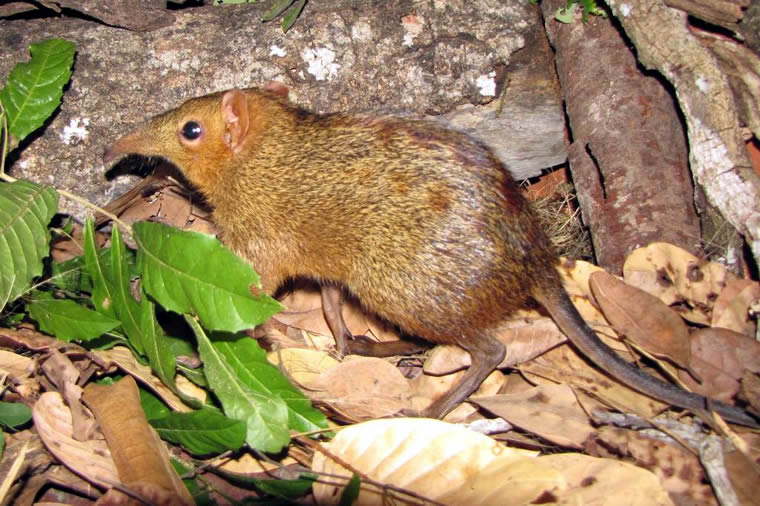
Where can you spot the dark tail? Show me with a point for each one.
(562, 310)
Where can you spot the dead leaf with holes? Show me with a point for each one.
(677, 278)
(452, 465)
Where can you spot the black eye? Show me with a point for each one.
(192, 130)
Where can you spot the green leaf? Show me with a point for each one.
(25, 211)
(277, 8)
(102, 298)
(67, 320)
(35, 88)
(266, 417)
(14, 414)
(160, 356)
(285, 489)
(70, 275)
(351, 492)
(202, 432)
(290, 18)
(189, 272)
(152, 405)
(127, 309)
(250, 361)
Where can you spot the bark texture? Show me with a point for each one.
(719, 160)
(628, 156)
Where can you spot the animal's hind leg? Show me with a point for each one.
(486, 353)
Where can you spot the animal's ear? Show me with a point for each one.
(236, 121)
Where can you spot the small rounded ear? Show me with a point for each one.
(277, 88)
(236, 121)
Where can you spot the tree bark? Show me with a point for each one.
(628, 155)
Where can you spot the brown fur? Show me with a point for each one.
(423, 224)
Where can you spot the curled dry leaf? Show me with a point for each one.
(719, 357)
(452, 465)
(575, 276)
(18, 367)
(734, 304)
(425, 388)
(141, 458)
(642, 317)
(302, 366)
(550, 411)
(677, 278)
(90, 459)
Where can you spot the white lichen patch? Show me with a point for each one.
(625, 9)
(703, 84)
(75, 132)
(276, 51)
(413, 26)
(321, 63)
(487, 84)
(361, 31)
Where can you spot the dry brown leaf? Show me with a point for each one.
(304, 311)
(452, 465)
(575, 276)
(678, 470)
(732, 307)
(363, 388)
(425, 388)
(676, 276)
(140, 456)
(719, 358)
(592, 480)
(642, 318)
(563, 365)
(432, 458)
(17, 367)
(123, 358)
(302, 366)
(550, 411)
(744, 475)
(751, 389)
(90, 459)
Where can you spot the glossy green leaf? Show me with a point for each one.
(189, 272)
(34, 89)
(250, 361)
(14, 414)
(25, 210)
(202, 432)
(160, 356)
(125, 306)
(95, 263)
(265, 416)
(152, 405)
(351, 492)
(67, 320)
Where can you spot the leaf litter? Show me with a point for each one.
(693, 318)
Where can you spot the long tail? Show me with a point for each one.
(562, 310)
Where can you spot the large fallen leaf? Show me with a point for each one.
(452, 465)
(426, 388)
(90, 459)
(550, 411)
(140, 456)
(642, 318)
(678, 278)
